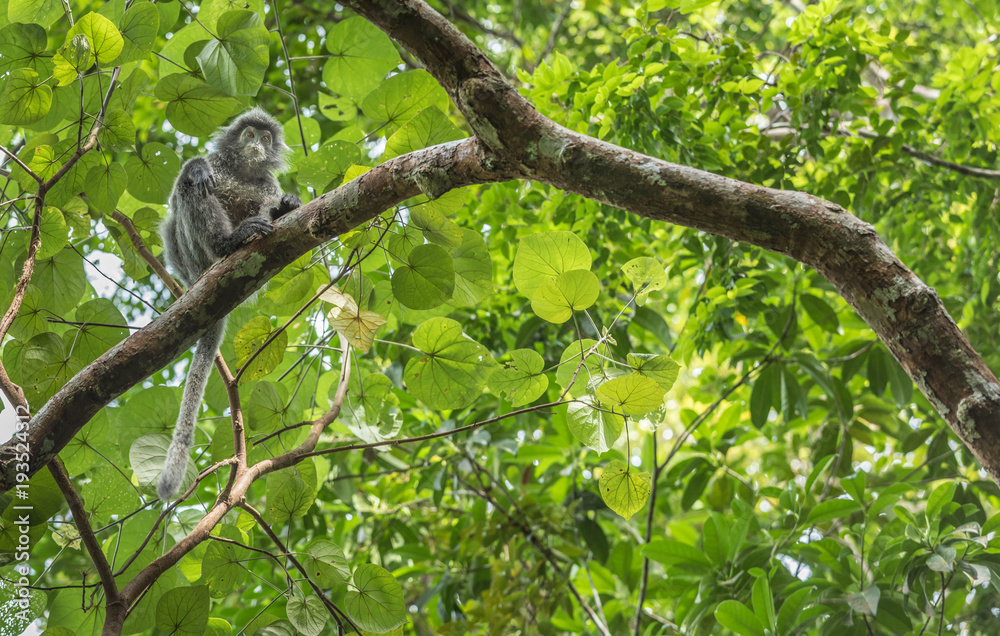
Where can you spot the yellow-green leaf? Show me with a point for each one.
(250, 338)
(633, 394)
(624, 489)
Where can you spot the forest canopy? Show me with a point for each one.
(598, 317)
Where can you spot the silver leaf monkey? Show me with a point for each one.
(220, 202)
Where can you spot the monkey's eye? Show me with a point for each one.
(249, 133)
(266, 138)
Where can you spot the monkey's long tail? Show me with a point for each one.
(175, 467)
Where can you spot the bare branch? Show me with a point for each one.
(86, 532)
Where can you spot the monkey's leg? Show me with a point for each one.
(175, 466)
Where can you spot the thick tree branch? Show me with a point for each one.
(904, 312)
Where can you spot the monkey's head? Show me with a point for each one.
(255, 141)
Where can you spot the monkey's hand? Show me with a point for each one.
(286, 204)
(198, 174)
(249, 230)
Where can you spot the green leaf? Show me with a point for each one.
(337, 108)
(61, 280)
(522, 380)
(151, 172)
(265, 407)
(45, 366)
(738, 617)
(596, 428)
(632, 394)
(832, 509)
(307, 614)
(541, 257)
(473, 270)
(24, 46)
(42, 12)
(399, 98)
(673, 552)
(375, 601)
(589, 372)
(21, 606)
(235, 60)
(429, 128)
(660, 368)
(436, 227)
(763, 602)
(820, 312)
(942, 495)
(647, 275)
(222, 567)
(139, 26)
(426, 280)
(327, 164)
(194, 107)
(453, 370)
(72, 59)
(557, 298)
(943, 559)
(105, 40)
(117, 132)
(291, 492)
(96, 335)
(184, 610)
(326, 564)
(595, 538)
(250, 338)
(788, 615)
(362, 55)
(53, 231)
(146, 457)
(866, 601)
(104, 185)
(762, 395)
(625, 490)
(25, 99)
(293, 137)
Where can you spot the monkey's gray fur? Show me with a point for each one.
(219, 202)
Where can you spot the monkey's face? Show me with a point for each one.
(256, 144)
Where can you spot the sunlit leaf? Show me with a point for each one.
(647, 275)
(624, 489)
(633, 394)
(593, 425)
(453, 369)
(557, 298)
(660, 368)
(521, 380)
(543, 256)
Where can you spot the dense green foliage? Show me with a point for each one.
(701, 408)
